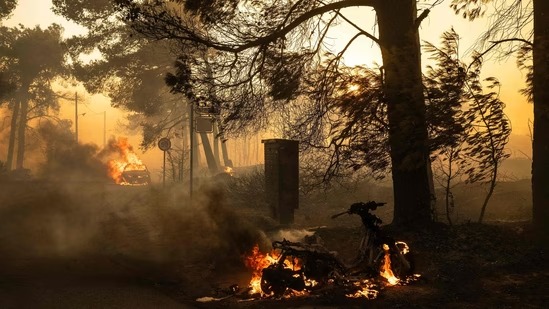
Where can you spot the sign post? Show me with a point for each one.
(164, 144)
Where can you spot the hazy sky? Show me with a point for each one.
(441, 18)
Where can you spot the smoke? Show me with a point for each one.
(295, 235)
(73, 210)
(54, 155)
(163, 227)
(146, 225)
(41, 220)
(66, 160)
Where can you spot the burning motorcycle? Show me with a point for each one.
(308, 266)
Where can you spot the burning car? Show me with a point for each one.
(127, 169)
(136, 177)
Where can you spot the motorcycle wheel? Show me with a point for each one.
(402, 265)
(275, 281)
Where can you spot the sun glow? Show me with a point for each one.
(353, 87)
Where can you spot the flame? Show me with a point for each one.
(256, 261)
(228, 170)
(367, 289)
(127, 161)
(403, 247)
(386, 271)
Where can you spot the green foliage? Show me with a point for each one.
(180, 81)
(31, 59)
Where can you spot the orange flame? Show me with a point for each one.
(256, 261)
(367, 289)
(127, 161)
(386, 271)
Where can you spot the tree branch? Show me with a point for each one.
(279, 33)
(421, 17)
(367, 34)
(496, 43)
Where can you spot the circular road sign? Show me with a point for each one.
(164, 144)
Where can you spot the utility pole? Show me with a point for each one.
(76, 115)
(164, 170)
(191, 150)
(104, 129)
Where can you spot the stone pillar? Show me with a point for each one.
(282, 178)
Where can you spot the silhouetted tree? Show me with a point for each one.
(6, 7)
(126, 67)
(470, 129)
(32, 59)
(512, 23)
(489, 131)
(446, 93)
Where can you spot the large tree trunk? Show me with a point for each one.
(400, 50)
(21, 130)
(540, 154)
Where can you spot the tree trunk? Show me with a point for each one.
(493, 182)
(448, 185)
(540, 153)
(400, 50)
(21, 130)
(13, 130)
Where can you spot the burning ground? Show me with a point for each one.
(183, 251)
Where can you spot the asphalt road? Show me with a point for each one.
(76, 283)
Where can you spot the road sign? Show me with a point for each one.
(164, 144)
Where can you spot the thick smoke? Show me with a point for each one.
(66, 160)
(145, 225)
(70, 208)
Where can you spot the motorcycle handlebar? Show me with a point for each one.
(340, 214)
(372, 205)
(379, 204)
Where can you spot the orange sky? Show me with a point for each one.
(441, 18)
